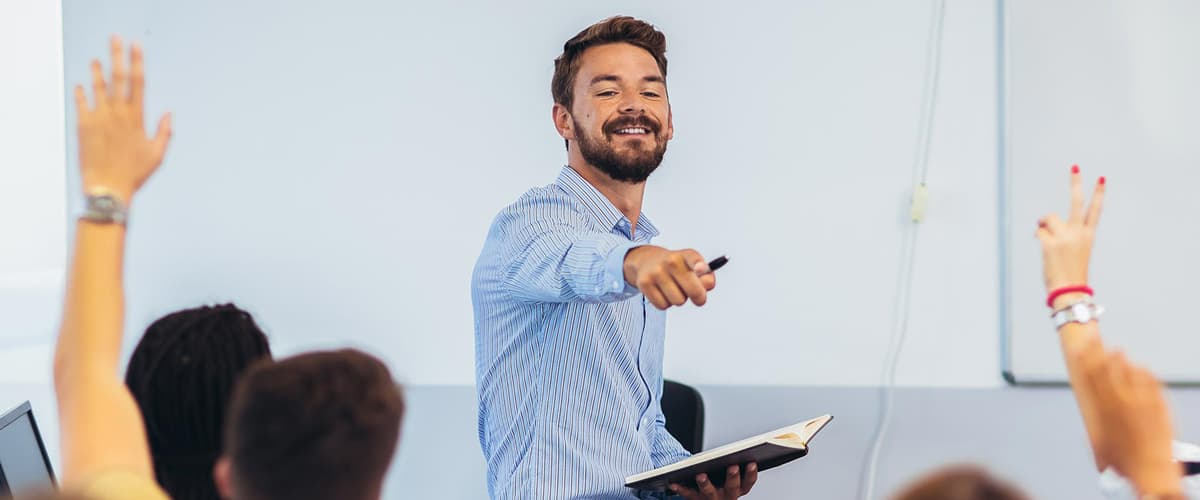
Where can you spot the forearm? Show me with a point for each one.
(89, 342)
(1082, 346)
(665, 449)
(565, 266)
(99, 422)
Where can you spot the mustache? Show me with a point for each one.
(632, 121)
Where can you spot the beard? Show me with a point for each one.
(632, 166)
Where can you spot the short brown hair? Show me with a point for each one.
(617, 29)
(960, 482)
(314, 426)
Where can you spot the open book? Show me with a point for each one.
(769, 450)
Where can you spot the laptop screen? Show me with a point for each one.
(24, 465)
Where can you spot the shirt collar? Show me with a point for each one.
(598, 205)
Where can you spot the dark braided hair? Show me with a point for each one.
(182, 374)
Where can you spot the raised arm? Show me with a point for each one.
(101, 427)
(1066, 252)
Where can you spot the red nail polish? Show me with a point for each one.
(1074, 169)
(1103, 180)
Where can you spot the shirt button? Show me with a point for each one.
(616, 285)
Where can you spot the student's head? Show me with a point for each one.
(960, 482)
(314, 426)
(610, 97)
(182, 375)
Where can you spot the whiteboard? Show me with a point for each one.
(336, 165)
(1110, 86)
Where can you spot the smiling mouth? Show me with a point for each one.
(632, 131)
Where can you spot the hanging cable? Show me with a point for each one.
(901, 307)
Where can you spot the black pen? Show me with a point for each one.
(715, 264)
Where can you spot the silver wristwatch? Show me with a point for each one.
(103, 207)
(1082, 311)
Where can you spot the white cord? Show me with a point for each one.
(907, 250)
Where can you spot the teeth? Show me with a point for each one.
(632, 130)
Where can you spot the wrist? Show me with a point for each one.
(105, 206)
(633, 259)
(1056, 294)
(1067, 299)
(124, 195)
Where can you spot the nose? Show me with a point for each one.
(631, 103)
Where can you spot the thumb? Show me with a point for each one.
(162, 136)
(695, 261)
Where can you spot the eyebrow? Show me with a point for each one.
(615, 78)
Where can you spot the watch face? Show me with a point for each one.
(1081, 312)
(105, 203)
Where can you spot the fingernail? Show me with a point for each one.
(1074, 169)
(1103, 180)
(733, 470)
(752, 468)
(702, 479)
(674, 488)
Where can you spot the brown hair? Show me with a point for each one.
(617, 29)
(314, 426)
(960, 482)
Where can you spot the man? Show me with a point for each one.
(569, 293)
(315, 426)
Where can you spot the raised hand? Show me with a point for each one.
(115, 155)
(1067, 245)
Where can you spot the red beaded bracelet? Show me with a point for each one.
(1058, 292)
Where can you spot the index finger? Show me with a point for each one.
(1076, 214)
(1093, 212)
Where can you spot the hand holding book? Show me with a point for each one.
(736, 484)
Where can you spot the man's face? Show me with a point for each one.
(621, 116)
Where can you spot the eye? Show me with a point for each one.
(606, 93)
(651, 94)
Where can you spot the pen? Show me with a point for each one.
(714, 264)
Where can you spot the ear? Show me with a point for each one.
(223, 477)
(563, 122)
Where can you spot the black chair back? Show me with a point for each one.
(684, 410)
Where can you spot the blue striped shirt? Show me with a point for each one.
(568, 357)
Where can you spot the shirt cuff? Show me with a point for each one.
(614, 270)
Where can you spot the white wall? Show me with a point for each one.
(952, 337)
(304, 173)
(31, 168)
(953, 334)
(33, 224)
